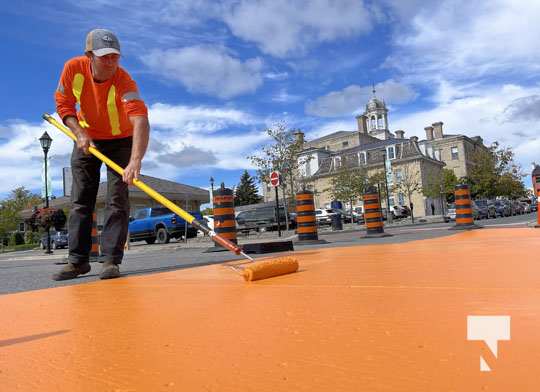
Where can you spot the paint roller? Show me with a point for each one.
(254, 270)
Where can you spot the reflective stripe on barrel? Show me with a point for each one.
(372, 213)
(224, 219)
(306, 223)
(94, 251)
(464, 212)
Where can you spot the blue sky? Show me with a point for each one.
(215, 74)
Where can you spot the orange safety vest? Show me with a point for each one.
(105, 107)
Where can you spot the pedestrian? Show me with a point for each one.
(113, 118)
(432, 208)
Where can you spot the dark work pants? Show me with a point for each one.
(85, 171)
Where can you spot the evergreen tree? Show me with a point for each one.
(246, 191)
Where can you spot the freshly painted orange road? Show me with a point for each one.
(366, 318)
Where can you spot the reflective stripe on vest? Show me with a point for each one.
(131, 96)
(113, 111)
(77, 86)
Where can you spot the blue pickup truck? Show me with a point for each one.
(159, 224)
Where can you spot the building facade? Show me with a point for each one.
(373, 148)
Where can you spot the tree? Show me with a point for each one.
(348, 184)
(283, 155)
(407, 183)
(378, 181)
(246, 191)
(441, 185)
(10, 209)
(494, 173)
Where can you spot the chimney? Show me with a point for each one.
(429, 133)
(399, 134)
(299, 135)
(362, 124)
(437, 130)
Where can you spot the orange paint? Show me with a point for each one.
(361, 318)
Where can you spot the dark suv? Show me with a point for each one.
(59, 239)
(260, 219)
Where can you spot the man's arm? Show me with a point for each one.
(141, 132)
(83, 140)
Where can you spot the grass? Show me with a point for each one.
(16, 248)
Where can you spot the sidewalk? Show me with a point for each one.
(358, 318)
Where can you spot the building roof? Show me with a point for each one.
(331, 136)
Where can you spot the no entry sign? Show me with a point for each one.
(274, 178)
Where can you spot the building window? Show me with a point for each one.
(373, 122)
(362, 158)
(401, 199)
(390, 152)
(308, 168)
(344, 144)
(337, 162)
(380, 123)
(455, 154)
(398, 176)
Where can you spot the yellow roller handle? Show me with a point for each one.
(150, 192)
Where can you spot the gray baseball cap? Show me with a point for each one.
(102, 42)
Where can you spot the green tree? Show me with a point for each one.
(348, 185)
(407, 183)
(10, 209)
(246, 191)
(281, 154)
(441, 185)
(494, 173)
(377, 180)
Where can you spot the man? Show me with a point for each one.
(113, 118)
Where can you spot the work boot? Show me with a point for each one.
(71, 271)
(110, 270)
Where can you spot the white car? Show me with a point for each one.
(324, 216)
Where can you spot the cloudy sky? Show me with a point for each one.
(215, 74)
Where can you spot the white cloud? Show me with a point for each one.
(282, 28)
(463, 40)
(483, 113)
(353, 98)
(282, 96)
(187, 119)
(207, 69)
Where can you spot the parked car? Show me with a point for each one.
(159, 224)
(450, 212)
(399, 212)
(485, 209)
(260, 219)
(324, 216)
(59, 239)
(346, 216)
(358, 214)
(502, 208)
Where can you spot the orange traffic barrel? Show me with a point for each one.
(94, 251)
(373, 215)
(306, 222)
(464, 212)
(224, 219)
(536, 188)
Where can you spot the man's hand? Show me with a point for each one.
(83, 140)
(132, 171)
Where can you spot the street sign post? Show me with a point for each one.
(274, 181)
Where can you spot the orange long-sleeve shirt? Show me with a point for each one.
(105, 107)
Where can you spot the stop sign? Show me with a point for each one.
(274, 178)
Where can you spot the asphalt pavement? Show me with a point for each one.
(32, 270)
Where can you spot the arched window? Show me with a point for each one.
(373, 122)
(380, 122)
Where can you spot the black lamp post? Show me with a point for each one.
(45, 140)
(389, 216)
(212, 191)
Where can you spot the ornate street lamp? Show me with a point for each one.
(45, 140)
(212, 191)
